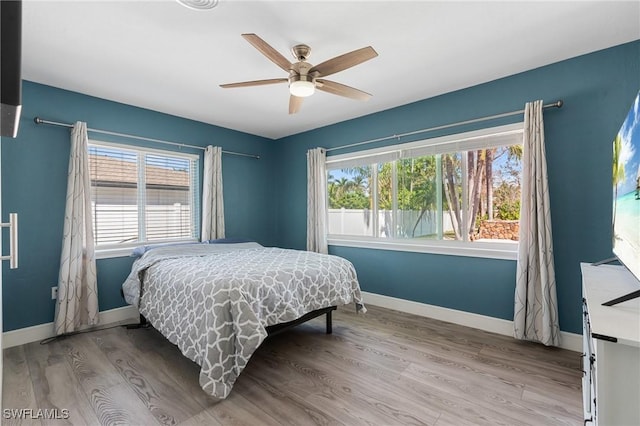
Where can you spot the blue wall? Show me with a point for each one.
(34, 174)
(597, 90)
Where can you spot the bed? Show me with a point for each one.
(217, 302)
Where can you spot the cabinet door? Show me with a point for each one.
(618, 383)
(588, 368)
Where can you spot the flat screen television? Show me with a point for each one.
(10, 77)
(626, 196)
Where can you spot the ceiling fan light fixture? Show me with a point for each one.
(199, 4)
(302, 88)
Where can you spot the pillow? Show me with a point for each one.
(228, 241)
(139, 251)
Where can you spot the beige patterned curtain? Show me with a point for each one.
(317, 201)
(77, 284)
(212, 200)
(536, 305)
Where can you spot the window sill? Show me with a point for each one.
(505, 250)
(116, 252)
(109, 252)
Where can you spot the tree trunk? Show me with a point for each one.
(489, 182)
(475, 183)
(452, 197)
(415, 225)
(453, 215)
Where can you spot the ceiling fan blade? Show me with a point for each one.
(268, 51)
(342, 62)
(295, 103)
(342, 90)
(255, 83)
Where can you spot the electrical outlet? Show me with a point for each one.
(54, 293)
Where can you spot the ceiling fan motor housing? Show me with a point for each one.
(300, 77)
(300, 72)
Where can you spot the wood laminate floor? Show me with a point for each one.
(380, 368)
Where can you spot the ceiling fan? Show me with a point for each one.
(305, 78)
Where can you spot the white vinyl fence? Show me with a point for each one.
(409, 223)
(113, 224)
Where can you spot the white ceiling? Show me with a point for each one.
(162, 56)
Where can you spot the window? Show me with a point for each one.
(456, 194)
(142, 195)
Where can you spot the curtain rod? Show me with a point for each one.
(556, 104)
(39, 120)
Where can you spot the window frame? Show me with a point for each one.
(105, 251)
(506, 250)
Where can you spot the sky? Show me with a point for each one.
(630, 152)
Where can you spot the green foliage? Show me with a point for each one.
(509, 210)
(506, 199)
(349, 193)
(417, 183)
(351, 200)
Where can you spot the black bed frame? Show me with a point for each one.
(272, 330)
(279, 328)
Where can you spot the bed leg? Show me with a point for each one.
(143, 324)
(329, 323)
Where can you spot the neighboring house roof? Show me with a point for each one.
(107, 171)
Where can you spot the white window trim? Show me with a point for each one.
(108, 251)
(443, 143)
(136, 148)
(503, 250)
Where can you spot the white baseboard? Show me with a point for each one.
(570, 341)
(44, 331)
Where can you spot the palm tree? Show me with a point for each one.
(488, 174)
(359, 183)
(476, 165)
(618, 172)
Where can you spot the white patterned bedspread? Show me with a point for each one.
(214, 301)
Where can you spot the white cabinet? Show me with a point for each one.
(611, 366)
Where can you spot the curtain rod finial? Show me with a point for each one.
(37, 120)
(559, 103)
